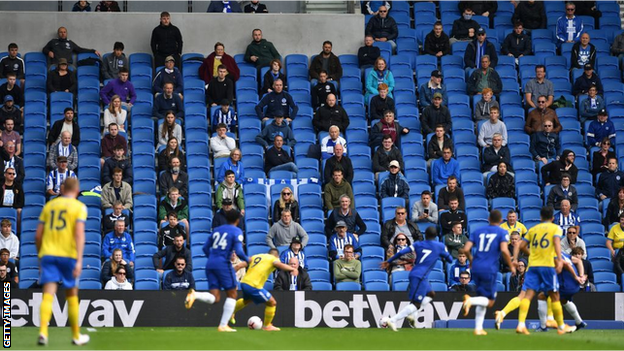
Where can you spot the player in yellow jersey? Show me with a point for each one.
(60, 241)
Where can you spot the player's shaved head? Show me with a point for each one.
(70, 185)
(431, 233)
(496, 217)
(546, 213)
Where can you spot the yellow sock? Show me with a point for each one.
(524, 310)
(550, 309)
(73, 311)
(558, 312)
(269, 313)
(512, 305)
(45, 313)
(240, 304)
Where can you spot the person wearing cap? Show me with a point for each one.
(9, 111)
(330, 114)
(501, 183)
(339, 239)
(277, 102)
(464, 28)
(437, 42)
(583, 52)
(10, 88)
(383, 27)
(590, 107)
(166, 41)
(121, 87)
(68, 124)
(230, 189)
(380, 103)
(536, 118)
(429, 89)
(219, 217)
(600, 129)
(334, 190)
(517, 43)
(552, 172)
(385, 154)
(112, 62)
(436, 114)
(395, 184)
(284, 231)
(115, 190)
(57, 176)
(478, 48)
(276, 158)
(484, 77)
(399, 225)
(260, 51)
(221, 88)
(490, 127)
(117, 160)
(295, 250)
(226, 116)
(444, 167)
(168, 74)
(569, 27)
(62, 48)
(588, 79)
(62, 79)
(221, 144)
(110, 140)
(327, 61)
(483, 107)
(330, 141)
(321, 90)
(285, 281)
(64, 148)
(167, 102)
(537, 87)
(276, 127)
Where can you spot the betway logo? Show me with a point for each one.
(340, 314)
(102, 314)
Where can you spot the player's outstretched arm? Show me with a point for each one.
(39, 236)
(238, 248)
(558, 259)
(285, 267)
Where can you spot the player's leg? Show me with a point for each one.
(419, 293)
(511, 306)
(486, 290)
(228, 309)
(210, 297)
(73, 311)
(269, 314)
(45, 311)
(550, 317)
(411, 319)
(573, 311)
(558, 312)
(542, 311)
(525, 303)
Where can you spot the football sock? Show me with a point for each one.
(524, 310)
(269, 313)
(45, 313)
(427, 300)
(205, 297)
(512, 305)
(479, 317)
(228, 309)
(558, 312)
(571, 308)
(541, 311)
(409, 309)
(73, 308)
(550, 311)
(479, 301)
(240, 304)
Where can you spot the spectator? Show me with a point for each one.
(284, 231)
(11, 268)
(112, 263)
(173, 177)
(64, 148)
(385, 154)
(220, 219)
(110, 141)
(119, 239)
(538, 87)
(61, 79)
(552, 172)
(381, 103)
(531, 13)
(9, 111)
(451, 189)
(428, 90)
(13, 161)
(167, 234)
(564, 191)
(335, 189)
(501, 183)
(615, 208)
(288, 202)
(387, 126)
(493, 126)
(179, 278)
(166, 41)
(437, 42)
(464, 28)
(224, 7)
(383, 27)
(225, 115)
(168, 74)
(168, 102)
(277, 102)
(347, 269)
(517, 281)
(347, 214)
(120, 87)
(328, 62)
(339, 160)
(569, 27)
(173, 203)
(537, 117)
(118, 160)
(454, 214)
(545, 145)
(517, 44)
(117, 190)
(480, 8)
(601, 156)
(464, 284)
(405, 262)
(373, 7)
(615, 241)
(209, 68)
(436, 114)
(9, 135)
(260, 51)
(514, 240)
(8, 239)
(444, 167)
(119, 281)
(115, 114)
(330, 141)
(274, 73)
(108, 221)
(587, 270)
(321, 90)
(571, 239)
(587, 80)
(12, 63)
(610, 181)
(81, 6)
(330, 114)
(591, 106)
(62, 48)
(230, 189)
(170, 253)
(339, 240)
(438, 142)
(425, 210)
(57, 176)
(10, 88)
(235, 164)
(377, 76)
(484, 77)
(235, 263)
(460, 265)
(368, 54)
(171, 150)
(395, 184)
(108, 6)
(255, 7)
(67, 124)
(399, 225)
(278, 159)
(583, 52)
(112, 62)
(478, 48)
(482, 110)
(294, 250)
(221, 144)
(169, 128)
(617, 48)
(601, 129)
(288, 282)
(455, 240)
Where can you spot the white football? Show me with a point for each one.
(254, 323)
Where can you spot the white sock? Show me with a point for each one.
(205, 297)
(409, 309)
(228, 310)
(427, 300)
(571, 308)
(542, 310)
(479, 317)
(479, 301)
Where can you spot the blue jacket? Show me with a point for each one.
(336, 245)
(440, 170)
(112, 242)
(274, 102)
(173, 281)
(395, 186)
(373, 81)
(562, 25)
(598, 131)
(587, 112)
(217, 6)
(163, 77)
(239, 171)
(455, 270)
(116, 87)
(426, 94)
(162, 105)
(271, 130)
(609, 183)
(545, 145)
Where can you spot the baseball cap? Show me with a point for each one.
(226, 201)
(169, 58)
(394, 163)
(340, 224)
(8, 98)
(296, 240)
(437, 96)
(62, 61)
(481, 31)
(61, 159)
(588, 66)
(436, 73)
(603, 112)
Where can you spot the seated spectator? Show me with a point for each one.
(615, 208)
(383, 27)
(173, 203)
(552, 172)
(111, 140)
(81, 6)
(67, 124)
(347, 269)
(209, 68)
(565, 191)
(480, 8)
(444, 167)
(219, 217)
(436, 114)
(284, 231)
(338, 160)
(234, 164)
(437, 42)
(327, 61)
(615, 241)
(108, 221)
(120, 87)
(173, 177)
(347, 214)
(9, 111)
(484, 77)
(13, 161)
(168, 128)
(167, 234)
(454, 214)
(399, 225)
(108, 6)
(571, 239)
(62, 79)
(536, 118)
(171, 253)
(405, 262)
(517, 43)
(517, 281)
(221, 88)
(180, 278)
(610, 181)
(478, 48)
(278, 159)
(387, 126)
(340, 239)
(171, 150)
(255, 7)
(460, 265)
(438, 142)
(493, 126)
(484, 106)
(425, 210)
(385, 154)
(335, 189)
(12, 63)
(378, 75)
(118, 160)
(464, 284)
(451, 189)
(119, 282)
(168, 74)
(167, 103)
(513, 225)
(115, 114)
(368, 54)
(591, 107)
(225, 115)
(117, 190)
(277, 102)
(381, 103)
(274, 73)
(63, 147)
(224, 7)
(9, 135)
(501, 183)
(514, 240)
(10, 88)
(321, 90)
(112, 263)
(288, 202)
(494, 154)
(61, 47)
(455, 240)
(330, 141)
(395, 184)
(260, 51)
(57, 176)
(119, 239)
(221, 144)
(588, 271)
(8, 239)
(531, 13)
(586, 80)
(330, 114)
(464, 28)
(569, 27)
(286, 281)
(617, 48)
(230, 189)
(601, 129)
(539, 87)
(545, 145)
(588, 8)
(112, 62)
(583, 52)
(11, 269)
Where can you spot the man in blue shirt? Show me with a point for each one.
(444, 167)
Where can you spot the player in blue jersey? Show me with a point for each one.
(489, 243)
(219, 271)
(427, 253)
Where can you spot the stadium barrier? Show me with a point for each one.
(307, 309)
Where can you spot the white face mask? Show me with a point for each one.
(467, 17)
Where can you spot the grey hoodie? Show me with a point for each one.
(284, 234)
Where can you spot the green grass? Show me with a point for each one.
(320, 339)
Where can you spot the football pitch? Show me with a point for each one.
(319, 339)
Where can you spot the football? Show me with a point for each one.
(254, 323)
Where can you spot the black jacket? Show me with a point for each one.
(552, 172)
(328, 116)
(274, 157)
(219, 91)
(433, 44)
(388, 229)
(491, 158)
(471, 54)
(382, 28)
(107, 273)
(494, 81)
(582, 84)
(56, 83)
(478, 7)
(261, 9)
(109, 166)
(108, 222)
(575, 53)
(166, 40)
(17, 93)
(320, 92)
(556, 194)
(381, 159)
(395, 185)
(57, 127)
(433, 148)
(268, 81)
(354, 222)
(344, 163)
(15, 114)
(609, 183)
(282, 281)
(501, 186)
(448, 217)
(367, 55)
(613, 212)
(292, 206)
(167, 233)
(63, 48)
(165, 181)
(532, 16)
(444, 196)
(334, 68)
(432, 116)
(18, 193)
(378, 106)
(170, 254)
(517, 45)
(461, 26)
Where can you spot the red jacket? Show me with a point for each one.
(206, 69)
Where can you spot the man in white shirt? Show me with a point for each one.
(328, 142)
(221, 144)
(8, 240)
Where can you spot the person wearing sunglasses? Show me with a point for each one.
(569, 27)
(11, 193)
(119, 281)
(536, 118)
(383, 27)
(572, 240)
(601, 156)
(478, 48)
(286, 201)
(399, 224)
(600, 129)
(179, 278)
(545, 145)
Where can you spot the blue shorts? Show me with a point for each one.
(568, 294)
(541, 279)
(486, 284)
(58, 269)
(254, 294)
(418, 289)
(223, 278)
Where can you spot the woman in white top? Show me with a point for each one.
(115, 114)
(119, 281)
(168, 129)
